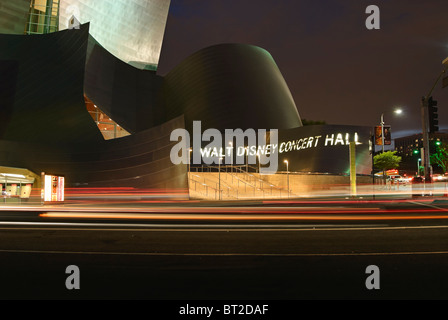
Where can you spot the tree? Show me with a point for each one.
(386, 160)
(440, 157)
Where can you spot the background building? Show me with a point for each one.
(410, 148)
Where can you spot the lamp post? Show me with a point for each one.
(219, 178)
(287, 173)
(247, 159)
(418, 166)
(231, 161)
(396, 111)
(382, 131)
(189, 159)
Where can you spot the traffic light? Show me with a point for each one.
(433, 116)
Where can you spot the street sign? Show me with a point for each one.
(378, 136)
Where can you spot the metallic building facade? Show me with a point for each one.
(50, 85)
(132, 30)
(13, 16)
(46, 127)
(230, 86)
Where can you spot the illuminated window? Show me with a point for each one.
(108, 128)
(43, 17)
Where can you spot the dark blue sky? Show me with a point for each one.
(336, 69)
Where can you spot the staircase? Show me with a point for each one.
(232, 184)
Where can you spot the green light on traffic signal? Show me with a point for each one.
(438, 143)
(415, 151)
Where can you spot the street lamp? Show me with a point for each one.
(231, 161)
(396, 111)
(418, 166)
(247, 159)
(287, 173)
(189, 159)
(219, 178)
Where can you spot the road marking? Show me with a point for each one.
(429, 205)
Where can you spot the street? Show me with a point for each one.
(224, 259)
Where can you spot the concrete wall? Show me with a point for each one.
(205, 185)
(303, 184)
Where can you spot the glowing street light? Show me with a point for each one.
(189, 158)
(219, 178)
(396, 111)
(287, 174)
(231, 161)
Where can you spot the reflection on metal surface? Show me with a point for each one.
(132, 30)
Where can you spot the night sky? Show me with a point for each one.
(338, 71)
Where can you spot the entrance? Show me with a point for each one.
(16, 184)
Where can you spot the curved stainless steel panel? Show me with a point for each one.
(45, 125)
(13, 16)
(230, 86)
(132, 30)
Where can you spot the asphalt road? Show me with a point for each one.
(195, 260)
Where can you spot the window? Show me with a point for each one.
(108, 128)
(43, 17)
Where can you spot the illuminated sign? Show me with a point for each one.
(317, 148)
(334, 139)
(52, 188)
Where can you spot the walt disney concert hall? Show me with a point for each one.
(81, 98)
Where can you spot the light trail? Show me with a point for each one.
(121, 227)
(253, 217)
(291, 210)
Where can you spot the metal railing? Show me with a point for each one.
(230, 184)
